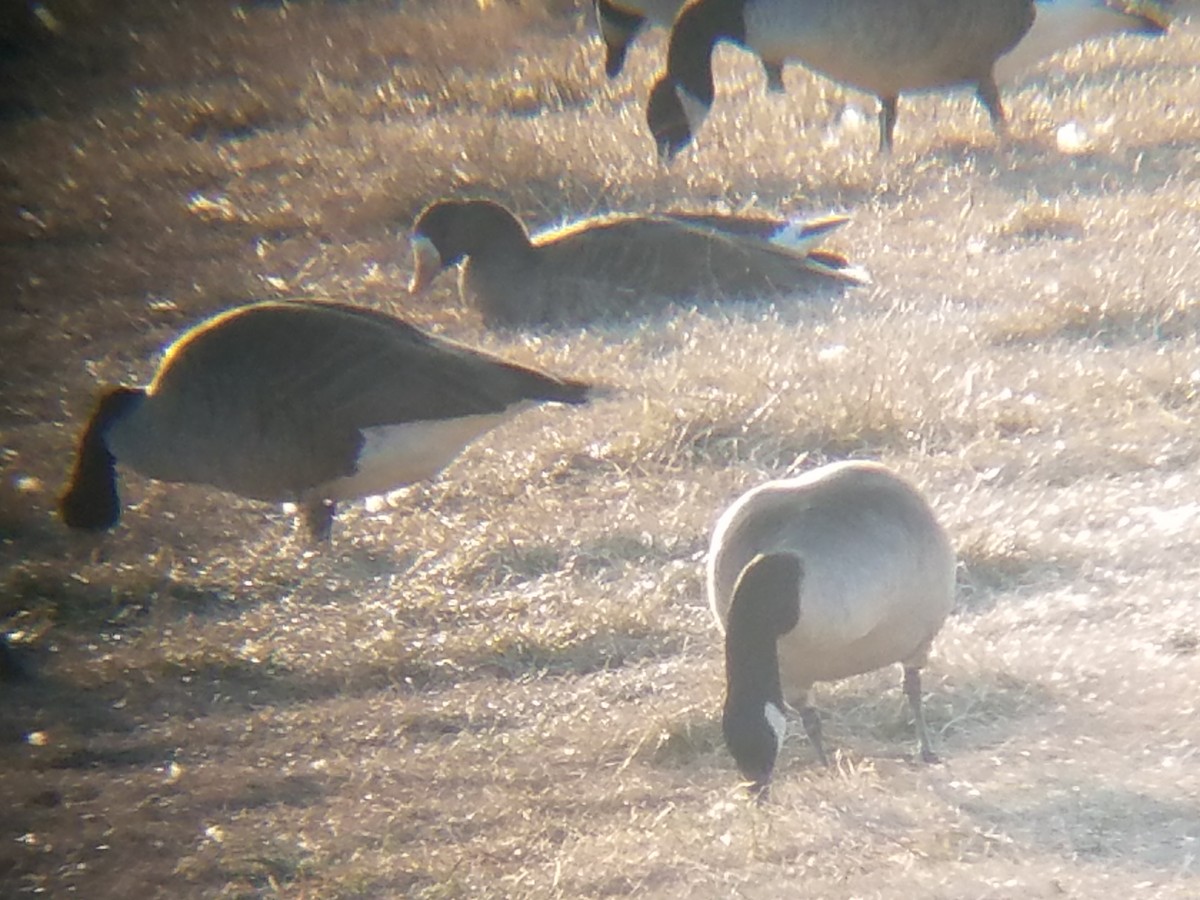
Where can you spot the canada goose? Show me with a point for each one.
(840, 571)
(605, 266)
(883, 47)
(299, 401)
(621, 20)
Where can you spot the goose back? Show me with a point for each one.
(887, 47)
(270, 400)
(878, 569)
(884, 47)
(300, 401)
(623, 264)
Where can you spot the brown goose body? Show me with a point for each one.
(883, 47)
(617, 265)
(621, 21)
(841, 571)
(300, 401)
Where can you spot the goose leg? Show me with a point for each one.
(887, 123)
(812, 727)
(774, 73)
(989, 95)
(912, 690)
(318, 519)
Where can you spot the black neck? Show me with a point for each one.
(751, 645)
(627, 22)
(765, 606)
(694, 36)
(91, 501)
(474, 228)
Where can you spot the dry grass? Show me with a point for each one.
(505, 683)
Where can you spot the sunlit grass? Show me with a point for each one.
(506, 682)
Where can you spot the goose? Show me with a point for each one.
(840, 571)
(608, 265)
(299, 401)
(882, 47)
(621, 20)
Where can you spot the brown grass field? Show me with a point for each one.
(506, 683)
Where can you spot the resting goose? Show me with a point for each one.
(611, 265)
(882, 47)
(835, 573)
(299, 401)
(621, 20)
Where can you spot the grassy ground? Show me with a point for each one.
(506, 683)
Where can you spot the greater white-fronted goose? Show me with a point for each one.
(614, 265)
(621, 20)
(299, 401)
(840, 571)
(883, 47)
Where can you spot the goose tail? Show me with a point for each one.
(802, 236)
(835, 265)
(576, 393)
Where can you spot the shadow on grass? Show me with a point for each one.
(1033, 167)
(869, 720)
(1095, 821)
(519, 657)
(85, 607)
(619, 320)
(988, 571)
(214, 682)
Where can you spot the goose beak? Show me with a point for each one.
(668, 120)
(427, 262)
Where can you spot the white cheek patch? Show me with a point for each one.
(427, 262)
(693, 110)
(395, 455)
(778, 722)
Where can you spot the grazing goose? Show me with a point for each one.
(883, 47)
(841, 571)
(621, 20)
(299, 401)
(607, 266)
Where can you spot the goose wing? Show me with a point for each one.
(273, 398)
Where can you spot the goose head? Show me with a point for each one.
(673, 116)
(91, 501)
(766, 605)
(448, 231)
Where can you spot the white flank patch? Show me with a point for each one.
(778, 722)
(693, 110)
(395, 455)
